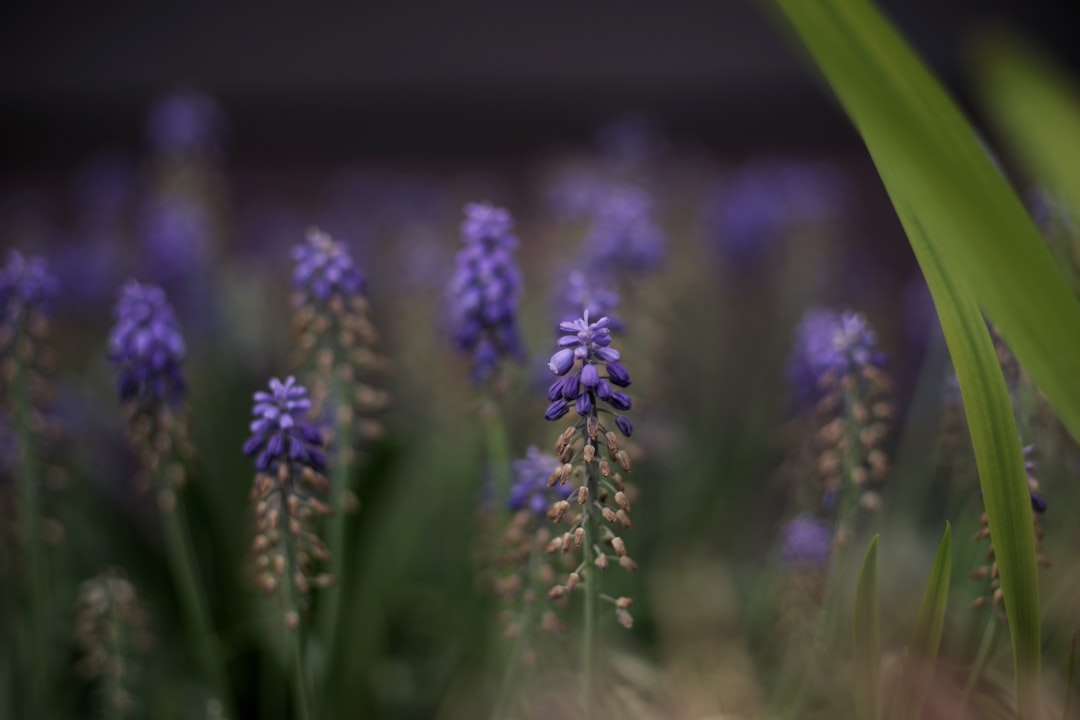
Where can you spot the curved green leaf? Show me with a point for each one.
(922, 654)
(867, 639)
(976, 246)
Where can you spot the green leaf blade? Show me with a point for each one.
(977, 249)
(867, 639)
(926, 638)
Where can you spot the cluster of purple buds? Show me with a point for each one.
(588, 350)
(289, 493)
(625, 237)
(828, 345)
(530, 490)
(751, 211)
(146, 346)
(280, 432)
(25, 285)
(185, 123)
(324, 268)
(484, 290)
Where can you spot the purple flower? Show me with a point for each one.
(176, 232)
(806, 542)
(25, 283)
(530, 488)
(280, 432)
(624, 236)
(485, 289)
(829, 344)
(325, 268)
(146, 346)
(587, 347)
(185, 122)
(582, 292)
(750, 212)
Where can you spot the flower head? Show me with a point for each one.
(588, 349)
(485, 289)
(325, 268)
(624, 235)
(829, 344)
(146, 345)
(752, 210)
(806, 542)
(530, 490)
(280, 434)
(24, 282)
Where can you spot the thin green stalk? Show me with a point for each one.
(498, 448)
(31, 521)
(592, 586)
(536, 552)
(1070, 674)
(193, 603)
(337, 526)
(113, 687)
(986, 648)
(295, 634)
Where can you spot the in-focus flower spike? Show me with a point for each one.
(625, 238)
(597, 509)
(485, 289)
(837, 376)
(987, 572)
(289, 494)
(112, 634)
(337, 341)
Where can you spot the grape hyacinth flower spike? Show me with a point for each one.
(26, 292)
(838, 378)
(289, 497)
(589, 372)
(485, 289)
(147, 350)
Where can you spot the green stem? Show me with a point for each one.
(31, 522)
(337, 527)
(592, 585)
(193, 602)
(1070, 674)
(536, 553)
(295, 634)
(113, 686)
(498, 449)
(981, 657)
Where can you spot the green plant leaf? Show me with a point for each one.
(867, 639)
(922, 653)
(1037, 110)
(976, 247)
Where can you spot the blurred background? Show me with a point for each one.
(192, 145)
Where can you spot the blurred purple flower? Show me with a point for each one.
(325, 268)
(176, 234)
(748, 212)
(530, 489)
(146, 346)
(25, 283)
(806, 542)
(829, 344)
(580, 293)
(624, 237)
(185, 123)
(484, 290)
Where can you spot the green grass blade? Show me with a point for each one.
(976, 246)
(867, 639)
(929, 624)
(977, 224)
